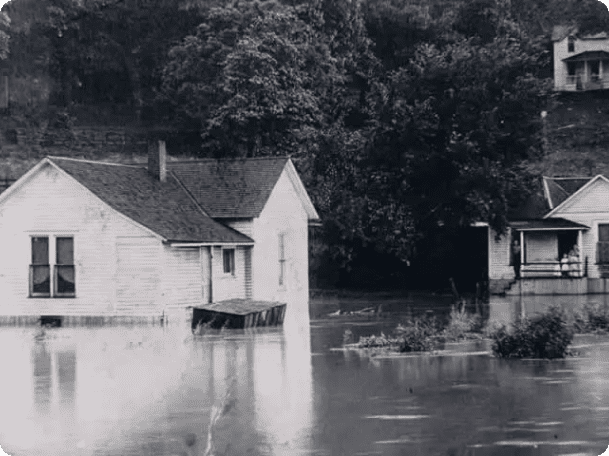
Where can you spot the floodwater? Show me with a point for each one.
(148, 390)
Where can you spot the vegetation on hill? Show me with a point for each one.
(406, 118)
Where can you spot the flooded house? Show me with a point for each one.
(581, 62)
(85, 239)
(557, 242)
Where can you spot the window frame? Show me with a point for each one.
(32, 265)
(53, 266)
(571, 44)
(282, 259)
(232, 251)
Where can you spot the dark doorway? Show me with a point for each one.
(470, 264)
(566, 241)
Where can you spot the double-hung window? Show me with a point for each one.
(228, 261)
(52, 279)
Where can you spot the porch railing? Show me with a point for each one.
(556, 269)
(580, 83)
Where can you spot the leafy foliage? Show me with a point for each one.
(545, 336)
(402, 116)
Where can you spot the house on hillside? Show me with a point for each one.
(581, 62)
(564, 236)
(86, 238)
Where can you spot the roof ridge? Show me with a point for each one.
(190, 195)
(95, 162)
(201, 160)
(567, 177)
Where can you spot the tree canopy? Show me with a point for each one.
(403, 116)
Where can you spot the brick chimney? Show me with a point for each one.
(157, 159)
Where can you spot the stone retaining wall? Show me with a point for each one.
(103, 139)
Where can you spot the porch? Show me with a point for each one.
(550, 248)
(587, 71)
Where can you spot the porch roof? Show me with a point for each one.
(549, 224)
(588, 55)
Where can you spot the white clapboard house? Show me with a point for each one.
(581, 61)
(564, 234)
(88, 238)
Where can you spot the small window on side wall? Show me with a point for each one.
(571, 44)
(282, 259)
(228, 261)
(50, 279)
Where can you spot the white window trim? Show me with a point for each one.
(232, 273)
(52, 236)
(282, 261)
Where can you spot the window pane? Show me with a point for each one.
(40, 250)
(603, 232)
(65, 279)
(228, 257)
(40, 279)
(65, 250)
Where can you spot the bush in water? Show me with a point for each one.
(593, 317)
(545, 336)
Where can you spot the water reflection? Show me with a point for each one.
(153, 391)
(159, 391)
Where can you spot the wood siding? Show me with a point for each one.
(228, 286)
(499, 256)
(183, 277)
(244, 226)
(138, 275)
(52, 204)
(283, 214)
(589, 208)
(540, 247)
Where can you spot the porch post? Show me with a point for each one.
(579, 245)
(521, 251)
(585, 73)
(600, 76)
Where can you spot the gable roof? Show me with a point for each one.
(579, 191)
(165, 208)
(230, 188)
(560, 32)
(552, 192)
(559, 189)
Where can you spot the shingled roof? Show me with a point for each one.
(558, 189)
(555, 190)
(230, 188)
(165, 208)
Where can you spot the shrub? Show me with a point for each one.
(416, 334)
(461, 324)
(593, 317)
(545, 336)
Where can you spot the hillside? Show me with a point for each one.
(577, 131)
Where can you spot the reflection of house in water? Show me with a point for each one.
(581, 62)
(54, 375)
